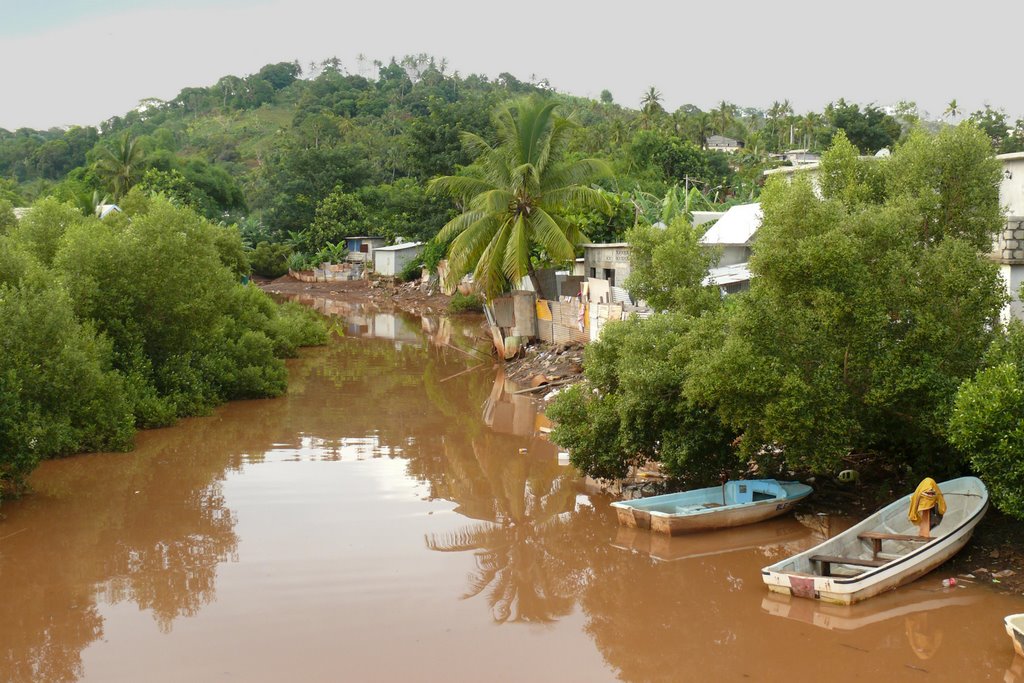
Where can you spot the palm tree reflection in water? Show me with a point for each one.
(524, 504)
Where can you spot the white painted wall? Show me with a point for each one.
(1014, 278)
(1011, 186)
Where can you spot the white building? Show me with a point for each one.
(733, 235)
(1008, 246)
(389, 261)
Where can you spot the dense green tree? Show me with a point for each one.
(853, 337)
(953, 181)
(516, 199)
(994, 123)
(987, 422)
(633, 408)
(48, 357)
(300, 179)
(40, 231)
(869, 129)
(668, 266)
(339, 215)
(182, 349)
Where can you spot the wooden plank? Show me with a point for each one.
(504, 311)
(876, 538)
(893, 537)
(828, 560)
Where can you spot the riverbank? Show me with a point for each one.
(412, 297)
(993, 556)
(543, 367)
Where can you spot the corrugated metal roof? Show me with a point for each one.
(737, 226)
(398, 247)
(728, 275)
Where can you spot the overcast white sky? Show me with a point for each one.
(82, 61)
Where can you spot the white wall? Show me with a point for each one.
(1014, 278)
(1011, 190)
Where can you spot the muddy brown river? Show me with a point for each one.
(394, 518)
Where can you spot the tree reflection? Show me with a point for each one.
(523, 503)
(101, 528)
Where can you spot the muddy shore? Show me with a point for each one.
(995, 554)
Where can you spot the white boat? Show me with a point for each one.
(1015, 629)
(882, 552)
(734, 503)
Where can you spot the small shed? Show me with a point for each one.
(389, 261)
(361, 248)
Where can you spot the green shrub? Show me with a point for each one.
(7, 219)
(270, 260)
(39, 232)
(48, 358)
(299, 261)
(987, 422)
(465, 303)
(179, 322)
(137, 323)
(229, 245)
(411, 271)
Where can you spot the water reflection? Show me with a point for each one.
(96, 532)
(522, 501)
(154, 528)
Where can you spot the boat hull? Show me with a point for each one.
(1015, 629)
(793, 576)
(697, 517)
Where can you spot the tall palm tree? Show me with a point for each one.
(952, 110)
(518, 198)
(724, 116)
(703, 123)
(120, 167)
(650, 107)
(809, 124)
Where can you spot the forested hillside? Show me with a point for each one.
(303, 158)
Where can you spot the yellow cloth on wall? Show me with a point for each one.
(926, 497)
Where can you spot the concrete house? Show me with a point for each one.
(607, 262)
(389, 261)
(733, 235)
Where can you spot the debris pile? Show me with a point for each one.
(545, 368)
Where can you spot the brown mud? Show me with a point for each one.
(412, 297)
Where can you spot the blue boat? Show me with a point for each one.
(734, 503)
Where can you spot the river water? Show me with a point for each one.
(394, 518)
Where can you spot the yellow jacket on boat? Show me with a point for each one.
(926, 497)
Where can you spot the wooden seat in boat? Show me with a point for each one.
(828, 560)
(876, 538)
